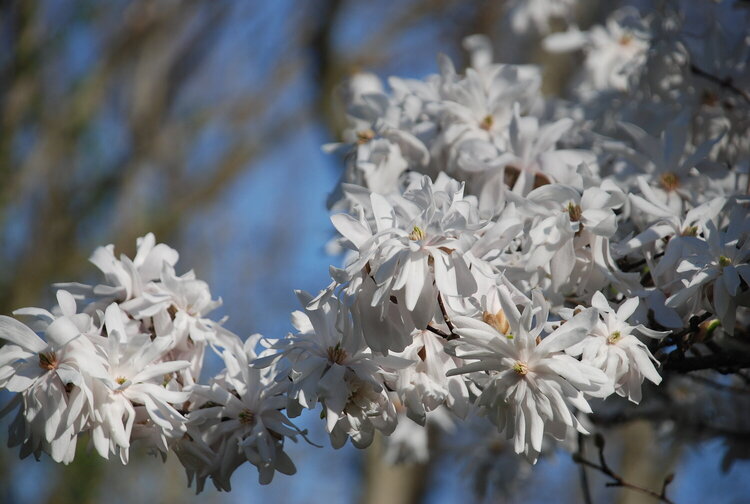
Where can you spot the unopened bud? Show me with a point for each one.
(497, 320)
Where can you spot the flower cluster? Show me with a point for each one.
(523, 254)
(506, 254)
(121, 362)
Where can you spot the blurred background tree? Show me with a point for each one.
(201, 121)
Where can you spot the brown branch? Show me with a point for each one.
(695, 425)
(694, 326)
(725, 82)
(681, 338)
(445, 335)
(720, 361)
(446, 317)
(441, 333)
(617, 480)
(584, 477)
(724, 363)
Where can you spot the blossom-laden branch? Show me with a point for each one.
(543, 254)
(616, 479)
(446, 317)
(721, 361)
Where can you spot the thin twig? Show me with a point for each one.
(724, 363)
(440, 333)
(584, 477)
(446, 335)
(679, 338)
(447, 319)
(726, 82)
(617, 480)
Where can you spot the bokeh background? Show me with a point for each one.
(202, 121)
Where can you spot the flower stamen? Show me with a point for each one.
(487, 122)
(690, 231)
(614, 337)
(48, 361)
(365, 136)
(416, 234)
(246, 417)
(521, 368)
(574, 211)
(336, 354)
(669, 181)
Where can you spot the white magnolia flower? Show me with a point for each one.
(561, 214)
(239, 416)
(135, 381)
(531, 158)
(424, 386)
(721, 260)
(667, 222)
(414, 253)
(527, 14)
(670, 161)
(125, 278)
(532, 387)
(613, 347)
(479, 103)
(330, 364)
(52, 376)
(614, 52)
(177, 307)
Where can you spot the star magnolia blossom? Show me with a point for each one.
(532, 386)
(241, 420)
(330, 364)
(414, 253)
(613, 347)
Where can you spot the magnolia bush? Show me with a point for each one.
(508, 258)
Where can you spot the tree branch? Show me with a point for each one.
(617, 480)
(725, 82)
(440, 333)
(724, 363)
(584, 477)
(446, 317)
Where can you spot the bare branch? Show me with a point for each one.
(584, 477)
(446, 317)
(725, 82)
(616, 479)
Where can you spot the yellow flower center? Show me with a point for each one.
(487, 122)
(521, 368)
(416, 234)
(690, 231)
(48, 361)
(669, 181)
(574, 211)
(365, 136)
(614, 337)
